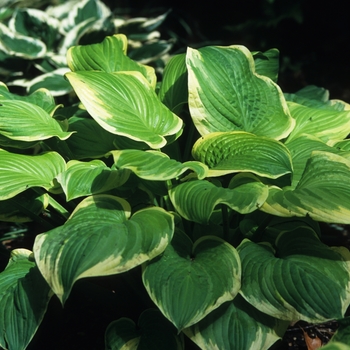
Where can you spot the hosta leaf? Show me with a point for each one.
(151, 51)
(303, 280)
(226, 94)
(35, 23)
(267, 63)
(125, 104)
(17, 208)
(154, 165)
(329, 125)
(196, 200)
(86, 178)
(53, 81)
(19, 172)
(40, 97)
(152, 332)
(173, 90)
(24, 296)
(188, 281)
(322, 192)
(90, 140)
(108, 56)
(236, 325)
(24, 121)
(336, 346)
(100, 238)
(301, 149)
(15, 44)
(238, 151)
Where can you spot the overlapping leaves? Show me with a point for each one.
(100, 238)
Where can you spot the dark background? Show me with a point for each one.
(312, 36)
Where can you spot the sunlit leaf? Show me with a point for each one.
(86, 178)
(154, 165)
(24, 121)
(226, 94)
(125, 104)
(238, 151)
(19, 172)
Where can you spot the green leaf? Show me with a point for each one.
(238, 151)
(99, 239)
(342, 334)
(155, 165)
(23, 302)
(19, 172)
(125, 104)
(188, 281)
(40, 97)
(236, 325)
(37, 24)
(89, 139)
(152, 332)
(173, 90)
(24, 121)
(196, 200)
(53, 81)
(336, 346)
(303, 279)
(17, 208)
(328, 125)
(226, 94)
(86, 178)
(18, 45)
(267, 63)
(108, 56)
(301, 149)
(322, 192)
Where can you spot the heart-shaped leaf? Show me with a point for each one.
(19, 172)
(226, 94)
(100, 238)
(153, 332)
(303, 280)
(238, 151)
(237, 325)
(125, 104)
(188, 280)
(24, 296)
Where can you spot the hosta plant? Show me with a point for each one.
(34, 42)
(211, 183)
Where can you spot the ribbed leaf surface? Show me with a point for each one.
(196, 200)
(125, 104)
(154, 165)
(19, 172)
(86, 178)
(100, 238)
(107, 56)
(236, 325)
(23, 121)
(24, 296)
(238, 151)
(226, 94)
(303, 280)
(188, 281)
